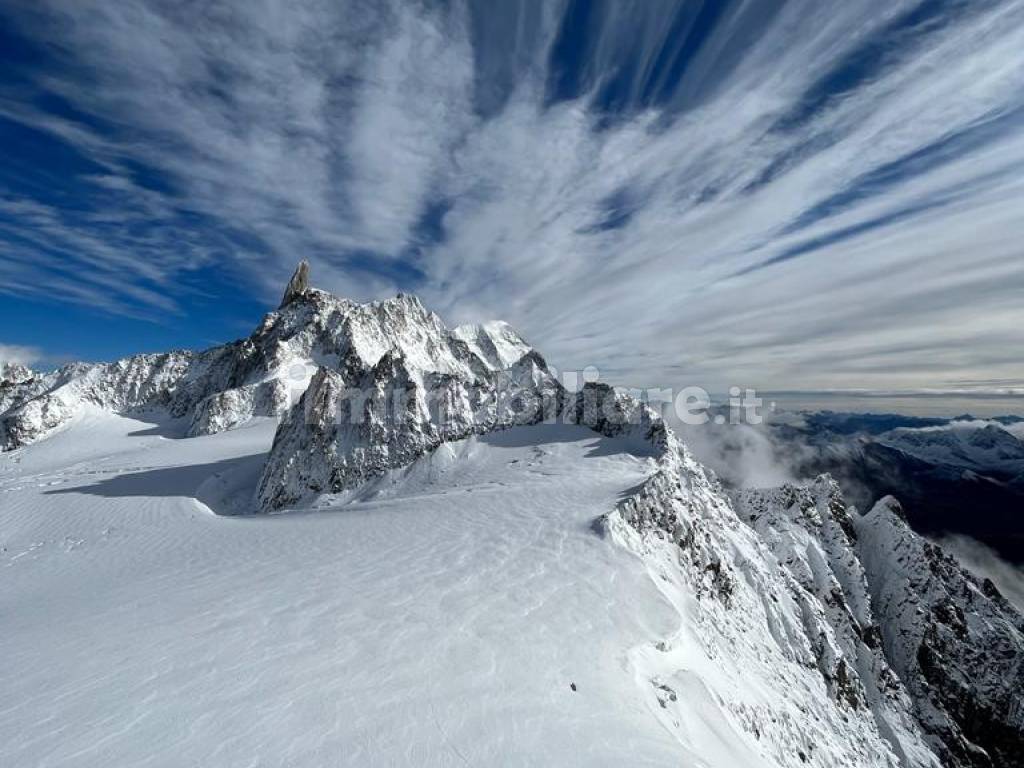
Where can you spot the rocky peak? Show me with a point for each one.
(403, 384)
(14, 373)
(266, 373)
(297, 285)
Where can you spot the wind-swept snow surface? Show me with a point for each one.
(543, 595)
(439, 618)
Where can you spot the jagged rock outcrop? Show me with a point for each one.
(297, 285)
(373, 415)
(952, 638)
(772, 649)
(919, 663)
(404, 385)
(15, 382)
(14, 373)
(811, 532)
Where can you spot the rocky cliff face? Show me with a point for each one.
(811, 533)
(404, 385)
(923, 643)
(952, 638)
(868, 630)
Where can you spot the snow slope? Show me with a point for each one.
(437, 615)
(437, 618)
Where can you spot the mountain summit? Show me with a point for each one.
(297, 285)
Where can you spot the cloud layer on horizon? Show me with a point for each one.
(782, 194)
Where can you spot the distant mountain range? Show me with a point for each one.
(960, 475)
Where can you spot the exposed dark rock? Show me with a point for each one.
(297, 286)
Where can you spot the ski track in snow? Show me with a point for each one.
(436, 616)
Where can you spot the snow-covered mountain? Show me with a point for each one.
(953, 477)
(920, 629)
(980, 446)
(476, 566)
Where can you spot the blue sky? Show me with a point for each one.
(780, 194)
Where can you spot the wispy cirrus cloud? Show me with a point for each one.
(785, 194)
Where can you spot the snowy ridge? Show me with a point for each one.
(262, 375)
(756, 660)
(38, 404)
(792, 596)
(810, 531)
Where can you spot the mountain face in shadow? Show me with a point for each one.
(950, 479)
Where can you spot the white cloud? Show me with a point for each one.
(327, 130)
(12, 353)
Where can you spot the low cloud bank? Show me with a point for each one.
(743, 455)
(19, 355)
